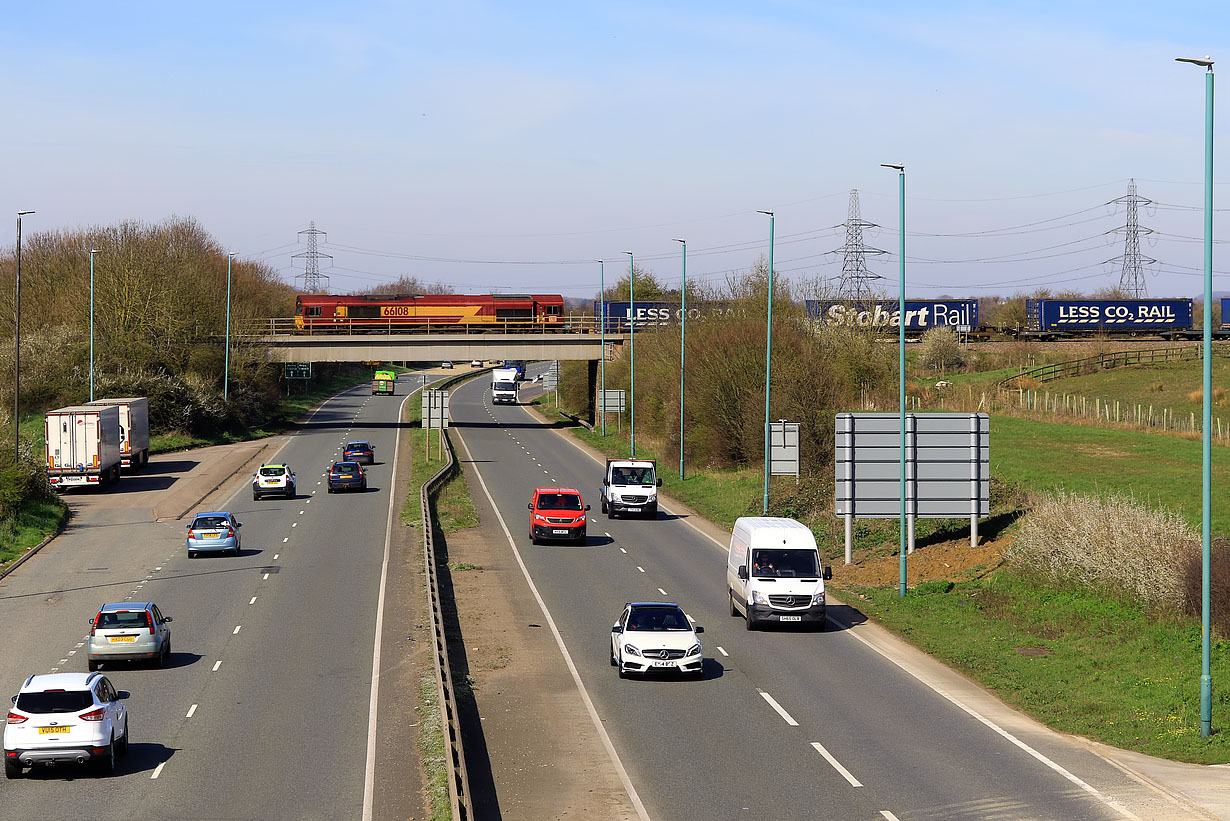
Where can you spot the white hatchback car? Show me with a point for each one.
(273, 480)
(65, 718)
(653, 637)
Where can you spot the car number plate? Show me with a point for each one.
(633, 509)
(117, 639)
(789, 618)
(664, 664)
(559, 532)
(210, 535)
(50, 730)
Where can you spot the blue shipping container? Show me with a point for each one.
(649, 314)
(1225, 313)
(920, 314)
(1108, 315)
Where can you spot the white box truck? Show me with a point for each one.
(504, 386)
(134, 429)
(83, 446)
(774, 573)
(630, 486)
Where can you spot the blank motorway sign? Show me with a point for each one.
(947, 465)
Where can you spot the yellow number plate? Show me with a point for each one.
(210, 535)
(122, 638)
(50, 730)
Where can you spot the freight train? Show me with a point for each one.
(357, 314)
(1045, 318)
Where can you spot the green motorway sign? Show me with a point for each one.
(297, 370)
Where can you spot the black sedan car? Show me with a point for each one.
(347, 476)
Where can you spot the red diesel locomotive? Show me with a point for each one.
(403, 311)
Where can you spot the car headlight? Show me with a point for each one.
(694, 650)
(759, 598)
(630, 650)
(818, 598)
(538, 517)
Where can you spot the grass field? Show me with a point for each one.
(1075, 661)
(33, 523)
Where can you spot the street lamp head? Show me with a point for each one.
(1207, 62)
(899, 166)
(95, 251)
(233, 254)
(684, 241)
(600, 262)
(23, 213)
(770, 213)
(629, 253)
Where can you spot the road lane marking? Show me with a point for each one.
(633, 796)
(265, 577)
(780, 710)
(284, 541)
(63, 661)
(663, 592)
(888, 815)
(236, 631)
(158, 770)
(72, 652)
(638, 567)
(191, 710)
(854, 782)
(369, 779)
(217, 664)
(275, 556)
(294, 524)
(253, 601)
(80, 644)
(723, 651)
(1009, 737)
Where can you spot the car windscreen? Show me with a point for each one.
(272, 471)
(504, 386)
(784, 563)
(632, 476)
(658, 619)
(209, 522)
(358, 446)
(131, 618)
(559, 501)
(67, 701)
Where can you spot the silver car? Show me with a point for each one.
(129, 631)
(214, 533)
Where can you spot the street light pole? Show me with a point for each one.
(632, 353)
(683, 335)
(602, 332)
(1206, 494)
(17, 350)
(768, 366)
(92, 253)
(226, 367)
(901, 363)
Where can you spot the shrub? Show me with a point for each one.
(941, 349)
(1108, 543)
(1219, 593)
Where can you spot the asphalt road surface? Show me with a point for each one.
(784, 724)
(263, 712)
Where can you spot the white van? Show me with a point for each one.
(774, 573)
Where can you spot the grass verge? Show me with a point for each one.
(1075, 661)
(34, 522)
(432, 752)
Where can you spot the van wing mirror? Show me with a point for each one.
(743, 573)
(529, 506)
(828, 573)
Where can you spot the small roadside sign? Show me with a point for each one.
(297, 370)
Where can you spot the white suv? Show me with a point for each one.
(273, 480)
(65, 718)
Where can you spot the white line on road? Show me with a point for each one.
(217, 664)
(287, 539)
(888, 815)
(638, 567)
(294, 524)
(72, 652)
(191, 710)
(158, 770)
(275, 556)
(80, 644)
(253, 601)
(722, 650)
(854, 782)
(265, 577)
(236, 629)
(559, 641)
(663, 592)
(780, 711)
(63, 661)
(621, 550)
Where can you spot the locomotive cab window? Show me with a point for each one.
(312, 310)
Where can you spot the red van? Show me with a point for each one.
(557, 513)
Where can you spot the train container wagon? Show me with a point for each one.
(920, 314)
(359, 314)
(1225, 313)
(619, 314)
(1131, 317)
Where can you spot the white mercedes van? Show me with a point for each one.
(774, 574)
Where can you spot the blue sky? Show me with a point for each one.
(502, 146)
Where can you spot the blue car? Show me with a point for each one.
(359, 452)
(213, 533)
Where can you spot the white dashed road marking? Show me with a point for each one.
(663, 592)
(888, 815)
(158, 770)
(638, 567)
(854, 782)
(191, 710)
(253, 601)
(236, 629)
(780, 711)
(723, 651)
(217, 664)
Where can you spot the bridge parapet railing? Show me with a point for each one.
(291, 326)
